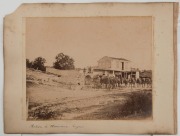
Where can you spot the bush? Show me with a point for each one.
(28, 63)
(43, 113)
(42, 68)
(37, 64)
(138, 103)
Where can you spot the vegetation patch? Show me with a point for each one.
(43, 113)
(136, 105)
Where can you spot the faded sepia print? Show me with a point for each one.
(89, 68)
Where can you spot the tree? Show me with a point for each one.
(63, 62)
(28, 63)
(39, 64)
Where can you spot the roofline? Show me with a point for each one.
(122, 59)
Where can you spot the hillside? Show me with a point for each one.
(52, 79)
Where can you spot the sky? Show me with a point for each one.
(89, 39)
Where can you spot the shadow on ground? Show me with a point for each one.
(137, 105)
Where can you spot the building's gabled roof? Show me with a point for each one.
(119, 59)
(113, 58)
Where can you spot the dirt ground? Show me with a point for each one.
(51, 97)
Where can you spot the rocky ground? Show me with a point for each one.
(50, 97)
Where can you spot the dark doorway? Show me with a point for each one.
(122, 65)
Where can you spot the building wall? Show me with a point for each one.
(104, 63)
(127, 66)
(113, 64)
(117, 65)
(107, 63)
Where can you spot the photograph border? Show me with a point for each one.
(161, 123)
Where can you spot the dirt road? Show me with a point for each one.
(72, 104)
(54, 100)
